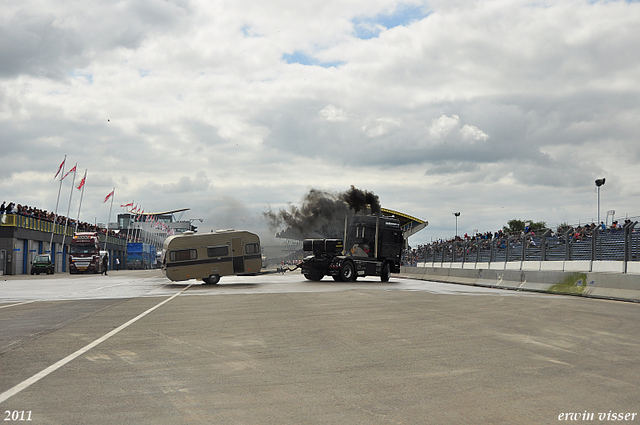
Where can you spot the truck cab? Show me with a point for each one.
(373, 248)
(84, 253)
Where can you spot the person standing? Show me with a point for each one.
(105, 264)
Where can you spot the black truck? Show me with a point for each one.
(373, 248)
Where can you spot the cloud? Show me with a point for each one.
(399, 14)
(332, 114)
(445, 127)
(380, 126)
(494, 106)
(33, 44)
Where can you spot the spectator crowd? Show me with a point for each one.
(411, 256)
(27, 211)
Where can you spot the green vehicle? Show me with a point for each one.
(42, 264)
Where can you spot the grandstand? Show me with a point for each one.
(621, 244)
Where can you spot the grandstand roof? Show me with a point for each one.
(409, 224)
(162, 213)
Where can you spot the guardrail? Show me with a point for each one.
(112, 240)
(17, 220)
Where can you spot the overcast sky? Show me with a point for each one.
(498, 109)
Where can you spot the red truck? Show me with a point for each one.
(84, 253)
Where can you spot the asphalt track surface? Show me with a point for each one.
(134, 348)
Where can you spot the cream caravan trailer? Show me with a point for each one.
(208, 256)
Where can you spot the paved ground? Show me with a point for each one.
(279, 350)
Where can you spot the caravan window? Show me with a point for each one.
(218, 251)
(252, 248)
(183, 255)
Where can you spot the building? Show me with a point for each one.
(146, 232)
(23, 237)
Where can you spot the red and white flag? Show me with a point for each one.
(130, 204)
(108, 196)
(73, 170)
(84, 179)
(60, 167)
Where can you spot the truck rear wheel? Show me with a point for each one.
(348, 272)
(386, 273)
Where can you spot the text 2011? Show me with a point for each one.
(17, 415)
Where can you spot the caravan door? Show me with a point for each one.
(238, 256)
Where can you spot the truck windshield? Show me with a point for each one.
(83, 250)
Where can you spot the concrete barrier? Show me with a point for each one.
(617, 286)
(577, 266)
(513, 265)
(556, 266)
(613, 286)
(608, 266)
(633, 267)
(531, 265)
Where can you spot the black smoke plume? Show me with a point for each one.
(322, 214)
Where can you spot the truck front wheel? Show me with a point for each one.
(386, 273)
(316, 277)
(348, 272)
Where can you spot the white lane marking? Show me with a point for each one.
(13, 305)
(38, 376)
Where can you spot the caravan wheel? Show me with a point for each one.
(212, 280)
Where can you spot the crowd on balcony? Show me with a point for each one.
(27, 211)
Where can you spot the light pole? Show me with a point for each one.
(456, 214)
(599, 182)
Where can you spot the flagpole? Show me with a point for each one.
(81, 196)
(113, 195)
(129, 223)
(66, 221)
(55, 214)
(133, 227)
(138, 218)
